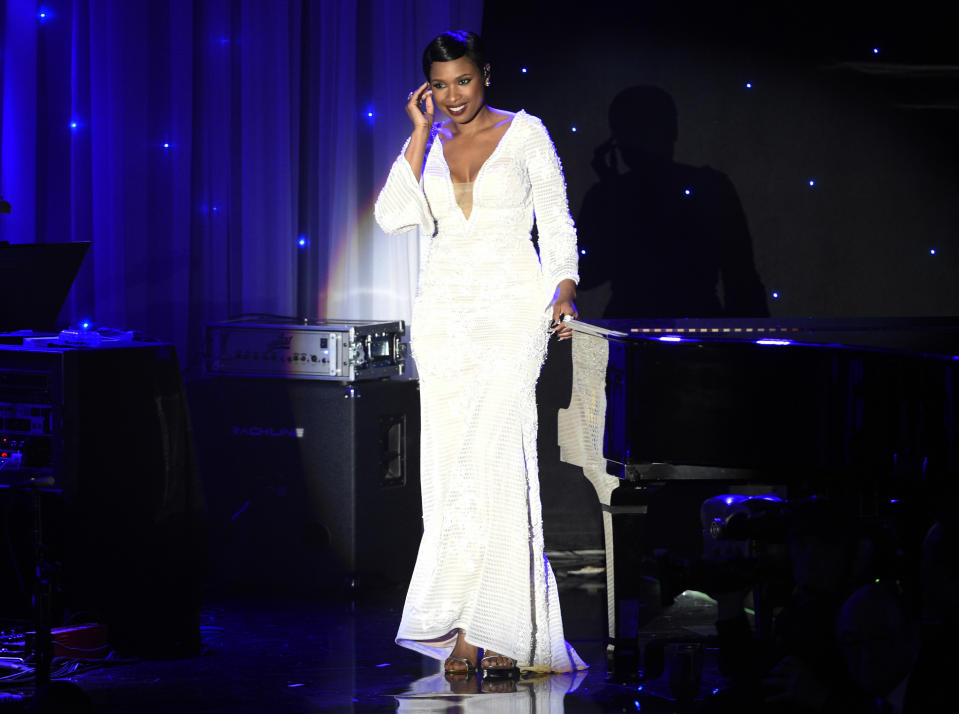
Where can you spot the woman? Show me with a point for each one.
(482, 315)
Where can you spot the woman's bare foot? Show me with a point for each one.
(462, 650)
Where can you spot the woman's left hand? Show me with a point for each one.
(563, 307)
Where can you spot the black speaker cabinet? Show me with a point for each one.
(108, 429)
(311, 485)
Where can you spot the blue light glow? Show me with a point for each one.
(774, 342)
(523, 70)
(893, 500)
(637, 705)
(875, 50)
(86, 325)
(166, 144)
(43, 14)
(749, 85)
(775, 295)
(573, 130)
(687, 192)
(302, 241)
(639, 688)
(582, 251)
(812, 182)
(715, 691)
(670, 338)
(216, 208)
(369, 114)
(73, 125)
(932, 251)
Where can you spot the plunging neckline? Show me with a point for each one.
(449, 175)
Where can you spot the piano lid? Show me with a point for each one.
(929, 335)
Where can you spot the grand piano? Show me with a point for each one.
(830, 406)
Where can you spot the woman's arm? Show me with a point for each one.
(401, 205)
(415, 152)
(557, 234)
(420, 110)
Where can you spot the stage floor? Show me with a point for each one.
(291, 654)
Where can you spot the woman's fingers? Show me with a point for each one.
(561, 312)
(414, 105)
(418, 94)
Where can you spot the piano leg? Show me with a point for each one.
(626, 518)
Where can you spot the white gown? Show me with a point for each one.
(478, 335)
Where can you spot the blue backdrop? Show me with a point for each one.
(222, 156)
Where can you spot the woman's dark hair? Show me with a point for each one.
(452, 45)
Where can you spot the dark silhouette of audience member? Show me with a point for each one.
(938, 660)
(939, 571)
(880, 645)
(802, 668)
(665, 234)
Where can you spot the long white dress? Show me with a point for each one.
(478, 334)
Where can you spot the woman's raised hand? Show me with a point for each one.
(419, 106)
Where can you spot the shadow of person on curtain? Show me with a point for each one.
(668, 238)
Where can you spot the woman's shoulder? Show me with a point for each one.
(530, 123)
(527, 118)
(530, 129)
(504, 115)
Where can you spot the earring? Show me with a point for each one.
(487, 82)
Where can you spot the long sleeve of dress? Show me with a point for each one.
(402, 205)
(557, 234)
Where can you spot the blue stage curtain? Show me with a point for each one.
(198, 144)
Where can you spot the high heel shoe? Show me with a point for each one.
(498, 669)
(469, 670)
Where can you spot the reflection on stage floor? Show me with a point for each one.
(285, 653)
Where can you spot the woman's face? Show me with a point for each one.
(458, 89)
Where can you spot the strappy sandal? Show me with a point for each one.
(498, 670)
(470, 667)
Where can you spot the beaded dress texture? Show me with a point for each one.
(478, 334)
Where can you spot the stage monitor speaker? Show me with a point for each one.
(309, 485)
